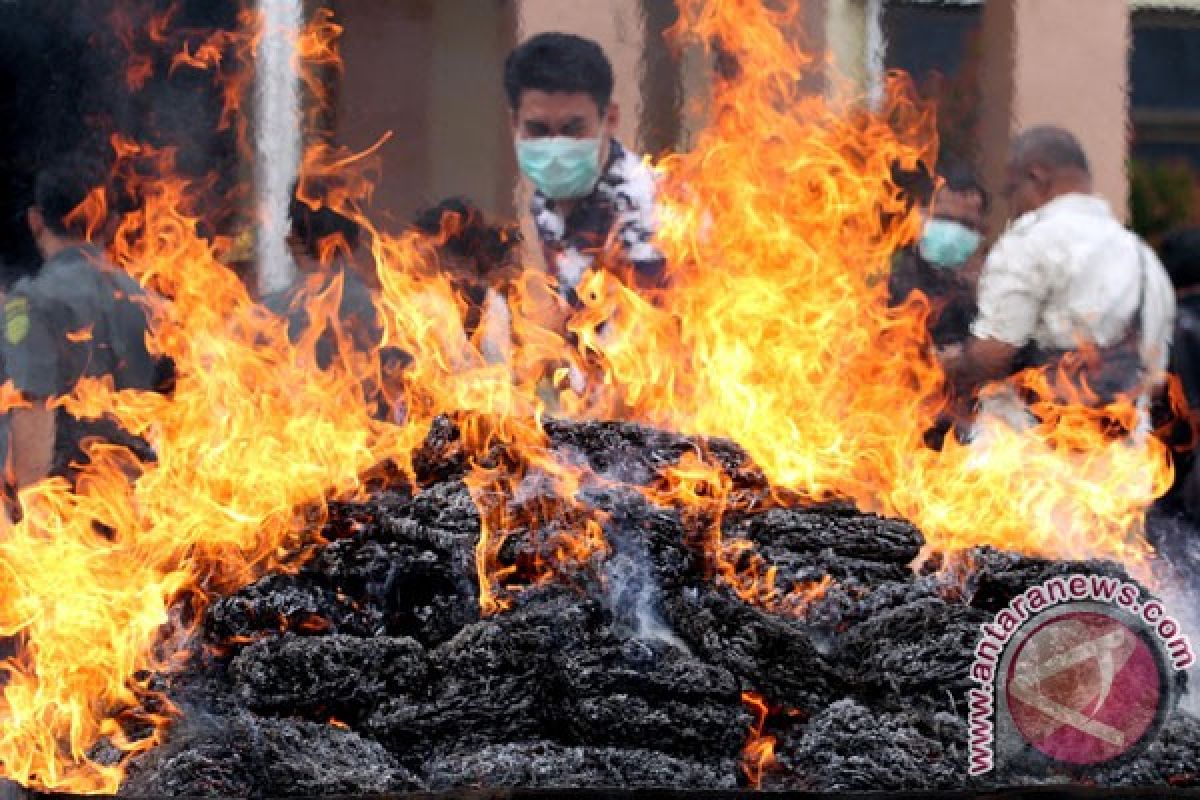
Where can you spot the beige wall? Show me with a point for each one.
(470, 146)
(1036, 75)
(1078, 81)
(387, 50)
(430, 72)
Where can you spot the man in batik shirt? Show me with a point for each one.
(594, 198)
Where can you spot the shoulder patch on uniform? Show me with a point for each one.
(16, 319)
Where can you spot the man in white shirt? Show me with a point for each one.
(1067, 284)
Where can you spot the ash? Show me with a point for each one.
(371, 670)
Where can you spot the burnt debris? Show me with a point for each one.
(371, 669)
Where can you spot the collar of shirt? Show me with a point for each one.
(1073, 203)
(620, 213)
(72, 256)
(68, 259)
(570, 241)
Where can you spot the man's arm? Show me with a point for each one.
(982, 361)
(32, 443)
(1010, 293)
(29, 354)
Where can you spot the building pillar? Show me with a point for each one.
(471, 148)
(1034, 75)
(854, 36)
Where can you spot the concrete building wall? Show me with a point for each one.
(1035, 75)
(470, 146)
(1078, 81)
(429, 70)
(387, 50)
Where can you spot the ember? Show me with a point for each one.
(647, 672)
(759, 752)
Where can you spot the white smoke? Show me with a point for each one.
(1179, 543)
(1184, 605)
(278, 138)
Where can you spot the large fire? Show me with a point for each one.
(779, 225)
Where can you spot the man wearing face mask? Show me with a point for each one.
(942, 263)
(593, 198)
(1067, 285)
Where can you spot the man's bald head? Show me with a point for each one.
(1044, 163)
(1050, 147)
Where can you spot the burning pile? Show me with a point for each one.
(524, 601)
(371, 669)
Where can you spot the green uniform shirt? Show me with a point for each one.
(76, 318)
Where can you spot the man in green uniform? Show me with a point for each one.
(78, 316)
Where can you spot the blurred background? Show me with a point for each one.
(1120, 73)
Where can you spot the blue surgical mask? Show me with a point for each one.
(948, 244)
(560, 166)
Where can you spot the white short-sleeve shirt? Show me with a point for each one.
(1069, 273)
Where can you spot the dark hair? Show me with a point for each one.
(959, 177)
(467, 234)
(915, 183)
(61, 187)
(559, 62)
(1180, 254)
(918, 184)
(310, 226)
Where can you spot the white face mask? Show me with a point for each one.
(947, 244)
(561, 166)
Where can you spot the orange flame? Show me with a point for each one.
(527, 496)
(758, 754)
(91, 215)
(81, 335)
(779, 226)
(703, 490)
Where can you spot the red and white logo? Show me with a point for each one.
(1083, 687)
(1077, 671)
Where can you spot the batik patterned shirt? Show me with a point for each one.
(617, 219)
